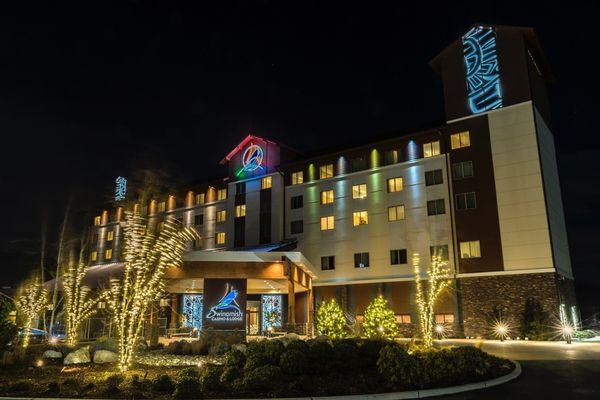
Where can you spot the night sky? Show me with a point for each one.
(90, 90)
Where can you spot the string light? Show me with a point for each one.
(31, 302)
(146, 256)
(330, 319)
(437, 276)
(380, 320)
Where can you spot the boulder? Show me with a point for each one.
(105, 356)
(78, 356)
(52, 354)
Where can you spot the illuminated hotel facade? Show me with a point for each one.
(481, 191)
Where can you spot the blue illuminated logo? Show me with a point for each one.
(120, 189)
(227, 309)
(483, 73)
(192, 310)
(252, 158)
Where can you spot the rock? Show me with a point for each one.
(78, 357)
(52, 354)
(105, 356)
(240, 346)
(323, 338)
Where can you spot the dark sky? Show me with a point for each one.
(87, 88)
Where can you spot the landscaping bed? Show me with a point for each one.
(268, 368)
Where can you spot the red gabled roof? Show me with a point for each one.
(240, 146)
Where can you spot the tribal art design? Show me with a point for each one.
(483, 74)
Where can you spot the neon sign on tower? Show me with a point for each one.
(483, 73)
(252, 158)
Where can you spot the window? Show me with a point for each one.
(296, 202)
(108, 254)
(434, 177)
(327, 223)
(466, 201)
(240, 210)
(110, 235)
(221, 215)
(431, 149)
(327, 197)
(358, 164)
(326, 171)
(361, 260)
(220, 237)
(359, 191)
(462, 170)
(161, 206)
(470, 249)
(240, 188)
(200, 197)
(198, 219)
(97, 220)
(396, 213)
(266, 182)
(144, 210)
(327, 263)
(94, 256)
(460, 140)
(297, 177)
(398, 257)
(198, 242)
(444, 318)
(436, 207)
(297, 227)
(394, 184)
(439, 251)
(391, 157)
(221, 194)
(360, 218)
(403, 319)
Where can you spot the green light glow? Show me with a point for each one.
(312, 172)
(375, 158)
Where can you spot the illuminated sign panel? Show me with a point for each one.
(120, 189)
(252, 158)
(483, 73)
(224, 304)
(192, 310)
(271, 310)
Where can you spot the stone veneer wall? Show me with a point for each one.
(479, 296)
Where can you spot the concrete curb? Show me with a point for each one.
(414, 394)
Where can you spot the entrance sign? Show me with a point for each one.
(225, 304)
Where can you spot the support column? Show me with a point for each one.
(310, 312)
(174, 307)
(291, 315)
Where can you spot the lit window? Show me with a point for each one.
(297, 177)
(436, 207)
(221, 238)
(398, 257)
(396, 213)
(360, 218)
(327, 197)
(94, 256)
(240, 210)
(200, 198)
(221, 194)
(221, 215)
(394, 184)
(470, 249)
(359, 191)
(97, 220)
(326, 171)
(266, 182)
(108, 254)
(466, 201)
(460, 140)
(434, 177)
(431, 149)
(403, 319)
(327, 263)
(361, 260)
(462, 170)
(327, 223)
(161, 206)
(110, 235)
(444, 318)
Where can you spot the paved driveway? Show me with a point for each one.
(550, 371)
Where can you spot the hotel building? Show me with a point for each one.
(481, 191)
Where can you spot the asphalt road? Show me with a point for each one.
(549, 371)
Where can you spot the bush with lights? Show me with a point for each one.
(330, 320)
(380, 321)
